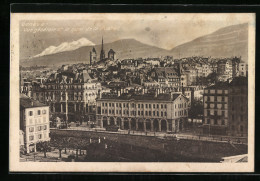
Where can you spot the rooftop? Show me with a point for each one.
(27, 102)
(160, 97)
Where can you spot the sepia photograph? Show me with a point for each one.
(132, 92)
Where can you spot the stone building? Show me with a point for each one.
(34, 122)
(71, 96)
(164, 112)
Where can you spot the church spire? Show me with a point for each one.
(102, 52)
(102, 44)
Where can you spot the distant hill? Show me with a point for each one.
(225, 42)
(126, 48)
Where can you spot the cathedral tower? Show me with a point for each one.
(102, 52)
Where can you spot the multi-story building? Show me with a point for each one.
(238, 107)
(34, 122)
(191, 75)
(164, 112)
(71, 96)
(225, 108)
(243, 69)
(166, 76)
(225, 69)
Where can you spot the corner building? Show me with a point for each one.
(34, 122)
(226, 108)
(165, 112)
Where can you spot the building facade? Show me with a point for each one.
(143, 112)
(225, 108)
(71, 96)
(34, 122)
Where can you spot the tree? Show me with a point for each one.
(196, 109)
(44, 146)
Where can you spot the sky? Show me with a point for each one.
(166, 30)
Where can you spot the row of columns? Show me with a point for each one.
(123, 121)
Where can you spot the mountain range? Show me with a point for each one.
(225, 42)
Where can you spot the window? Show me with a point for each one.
(45, 127)
(103, 104)
(120, 105)
(127, 105)
(161, 113)
(154, 106)
(165, 106)
(39, 112)
(165, 113)
(106, 104)
(109, 104)
(215, 121)
(146, 113)
(139, 113)
(30, 113)
(40, 136)
(157, 106)
(149, 105)
(208, 112)
(124, 105)
(113, 105)
(113, 111)
(142, 113)
(138, 105)
(146, 105)
(39, 128)
(150, 113)
(157, 113)
(223, 122)
(223, 113)
(153, 113)
(43, 111)
(208, 121)
(223, 98)
(31, 129)
(161, 106)
(31, 138)
(109, 111)
(116, 104)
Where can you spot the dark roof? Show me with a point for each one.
(111, 51)
(160, 97)
(27, 102)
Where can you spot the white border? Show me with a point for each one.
(16, 166)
